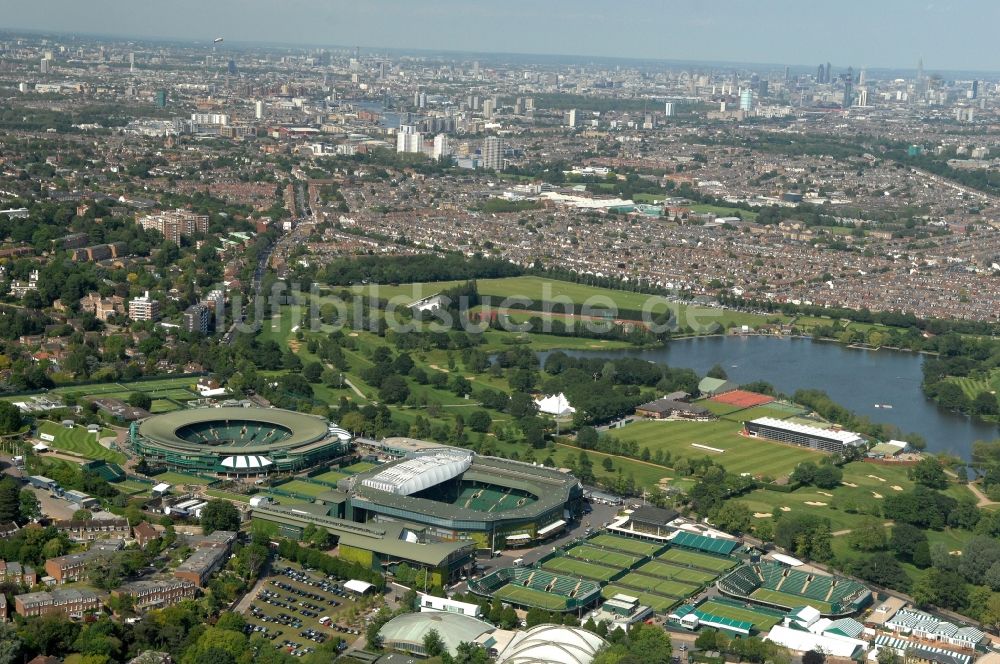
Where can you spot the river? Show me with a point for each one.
(856, 379)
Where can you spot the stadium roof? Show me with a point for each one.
(846, 437)
(801, 640)
(544, 644)
(304, 428)
(453, 628)
(712, 620)
(420, 472)
(702, 543)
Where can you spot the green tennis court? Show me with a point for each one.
(575, 567)
(602, 556)
(697, 560)
(789, 601)
(658, 603)
(761, 620)
(637, 547)
(530, 597)
(668, 571)
(662, 586)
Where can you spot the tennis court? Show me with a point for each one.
(175, 478)
(303, 488)
(668, 571)
(789, 601)
(662, 586)
(575, 567)
(530, 597)
(658, 603)
(637, 547)
(743, 399)
(331, 476)
(602, 556)
(762, 620)
(697, 560)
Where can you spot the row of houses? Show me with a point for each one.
(75, 602)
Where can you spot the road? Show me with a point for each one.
(244, 604)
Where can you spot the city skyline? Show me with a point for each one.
(944, 34)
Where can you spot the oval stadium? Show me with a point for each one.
(238, 442)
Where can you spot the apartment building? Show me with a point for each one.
(73, 567)
(93, 529)
(200, 565)
(150, 594)
(72, 602)
(144, 308)
(175, 224)
(18, 573)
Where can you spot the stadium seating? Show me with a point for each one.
(743, 581)
(836, 591)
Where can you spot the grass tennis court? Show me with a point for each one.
(580, 568)
(228, 495)
(163, 406)
(173, 477)
(530, 597)
(359, 467)
(304, 488)
(789, 601)
(331, 476)
(661, 586)
(133, 488)
(637, 547)
(602, 556)
(79, 441)
(701, 560)
(658, 603)
(668, 571)
(761, 620)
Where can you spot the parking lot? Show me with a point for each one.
(298, 610)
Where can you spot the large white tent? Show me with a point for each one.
(556, 404)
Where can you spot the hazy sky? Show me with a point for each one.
(949, 34)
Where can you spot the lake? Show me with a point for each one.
(856, 379)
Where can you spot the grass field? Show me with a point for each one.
(721, 211)
(661, 586)
(789, 601)
(740, 454)
(637, 547)
(531, 597)
(172, 477)
(358, 467)
(163, 406)
(667, 571)
(761, 621)
(133, 488)
(330, 476)
(575, 567)
(658, 603)
(304, 488)
(972, 387)
(164, 388)
(684, 557)
(228, 495)
(602, 556)
(80, 441)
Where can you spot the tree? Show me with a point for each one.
(219, 514)
(10, 418)
(394, 390)
(140, 400)
(353, 421)
(813, 657)
(433, 644)
(480, 421)
(10, 500)
(313, 372)
(828, 476)
(978, 556)
(942, 588)
(869, 535)
(717, 372)
(886, 655)
(905, 540)
(733, 517)
(10, 644)
(929, 472)
(82, 515)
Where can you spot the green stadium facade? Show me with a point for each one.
(774, 584)
(238, 442)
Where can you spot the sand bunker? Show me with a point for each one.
(824, 493)
(353, 334)
(762, 515)
(815, 503)
(876, 495)
(896, 487)
(850, 484)
(785, 509)
(876, 477)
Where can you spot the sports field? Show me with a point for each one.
(789, 601)
(177, 389)
(331, 476)
(602, 556)
(530, 597)
(638, 547)
(762, 620)
(700, 560)
(658, 603)
(80, 441)
(667, 571)
(304, 488)
(359, 467)
(739, 454)
(972, 387)
(175, 478)
(661, 586)
(575, 567)
(133, 488)
(228, 495)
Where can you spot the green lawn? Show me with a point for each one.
(740, 454)
(721, 211)
(658, 603)
(175, 478)
(331, 476)
(637, 547)
(304, 488)
(973, 387)
(761, 621)
(531, 597)
(661, 586)
(228, 495)
(574, 567)
(80, 441)
(694, 559)
(663, 570)
(359, 467)
(789, 601)
(602, 556)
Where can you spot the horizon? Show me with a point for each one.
(775, 35)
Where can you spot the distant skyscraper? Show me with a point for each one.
(408, 139)
(668, 109)
(787, 77)
(131, 63)
(863, 98)
(258, 109)
(441, 147)
(493, 153)
(43, 67)
(828, 77)
(571, 118)
(746, 100)
(820, 74)
(848, 91)
(861, 77)
(160, 98)
(231, 68)
(975, 89)
(489, 107)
